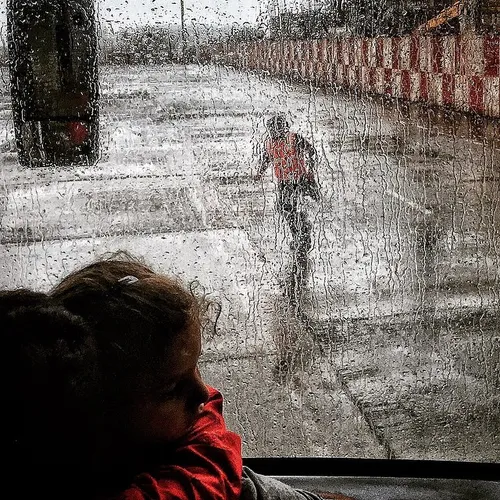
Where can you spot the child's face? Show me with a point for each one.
(173, 410)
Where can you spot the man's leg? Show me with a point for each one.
(304, 230)
(288, 203)
(300, 227)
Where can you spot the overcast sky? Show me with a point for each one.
(130, 12)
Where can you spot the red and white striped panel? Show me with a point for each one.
(492, 96)
(458, 71)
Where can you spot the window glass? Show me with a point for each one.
(359, 304)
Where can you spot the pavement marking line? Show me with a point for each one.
(410, 203)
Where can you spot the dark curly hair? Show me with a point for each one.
(134, 320)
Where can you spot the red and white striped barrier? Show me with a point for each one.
(462, 72)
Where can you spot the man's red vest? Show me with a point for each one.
(288, 161)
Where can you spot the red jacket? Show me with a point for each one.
(287, 158)
(208, 464)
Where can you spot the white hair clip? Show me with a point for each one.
(128, 280)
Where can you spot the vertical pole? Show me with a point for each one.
(183, 34)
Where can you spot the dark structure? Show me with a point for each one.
(487, 16)
(54, 85)
(376, 17)
(373, 18)
(466, 16)
(390, 17)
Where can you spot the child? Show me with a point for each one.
(293, 159)
(105, 398)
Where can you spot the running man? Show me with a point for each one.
(293, 159)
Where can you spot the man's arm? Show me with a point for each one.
(309, 152)
(264, 161)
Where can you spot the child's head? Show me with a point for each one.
(277, 126)
(50, 388)
(111, 351)
(147, 330)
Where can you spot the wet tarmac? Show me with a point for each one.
(383, 342)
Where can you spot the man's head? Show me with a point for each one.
(277, 126)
